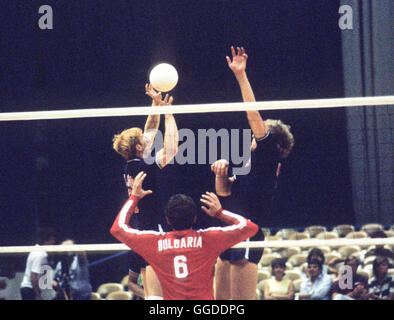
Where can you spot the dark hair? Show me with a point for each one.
(316, 252)
(278, 262)
(350, 258)
(377, 262)
(317, 262)
(180, 211)
(44, 234)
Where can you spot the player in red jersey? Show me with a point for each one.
(183, 259)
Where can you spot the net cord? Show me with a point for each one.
(199, 108)
(114, 247)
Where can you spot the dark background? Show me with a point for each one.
(64, 173)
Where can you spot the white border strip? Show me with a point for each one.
(199, 108)
(251, 244)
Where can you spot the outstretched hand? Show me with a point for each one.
(167, 100)
(212, 202)
(137, 186)
(238, 62)
(156, 96)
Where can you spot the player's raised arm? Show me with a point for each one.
(153, 121)
(170, 147)
(237, 64)
(223, 182)
(120, 228)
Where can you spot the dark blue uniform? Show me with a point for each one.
(252, 194)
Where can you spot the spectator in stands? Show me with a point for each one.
(71, 279)
(316, 253)
(350, 285)
(36, 267)
(380, 250)
(381, 286)
(278, 288)
(318, 284)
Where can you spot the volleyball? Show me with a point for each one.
(163, 77)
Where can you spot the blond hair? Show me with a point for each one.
(125, 142)
(284, 139)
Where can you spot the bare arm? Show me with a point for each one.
(134, 286)
(288, 296)
(34, 281)
(238, 66)
(170, 147)
(153, 121)
(267, 295)
(302, 296)
(222, 182)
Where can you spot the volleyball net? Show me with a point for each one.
(63, 115)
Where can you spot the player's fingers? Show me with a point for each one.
(139, 178)
(238, 51)
(210, 198)
(139, 174)
(233, 51)
(205, 209)
(214, 199)
(208, 203)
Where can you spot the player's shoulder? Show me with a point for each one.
(137, 164)
(38, 254)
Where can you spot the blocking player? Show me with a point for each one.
(236, 276)
(183, 259)
(134, 145)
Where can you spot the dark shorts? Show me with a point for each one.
(136, 262)
(27, 293)
(251, 254)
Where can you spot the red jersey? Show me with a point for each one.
(184, 261)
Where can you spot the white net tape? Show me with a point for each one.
(252, 244)
(202, 108)
(199, 108)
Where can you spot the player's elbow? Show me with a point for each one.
(253, 228)
(115, 231)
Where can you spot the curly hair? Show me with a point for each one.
(125, 142)
(284, 139)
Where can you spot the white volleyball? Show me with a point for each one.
(163, 77)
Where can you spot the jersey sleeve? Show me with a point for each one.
(139, 241)
(238, 229)
(266, 150)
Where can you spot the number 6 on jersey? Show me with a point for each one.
(180, 267)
